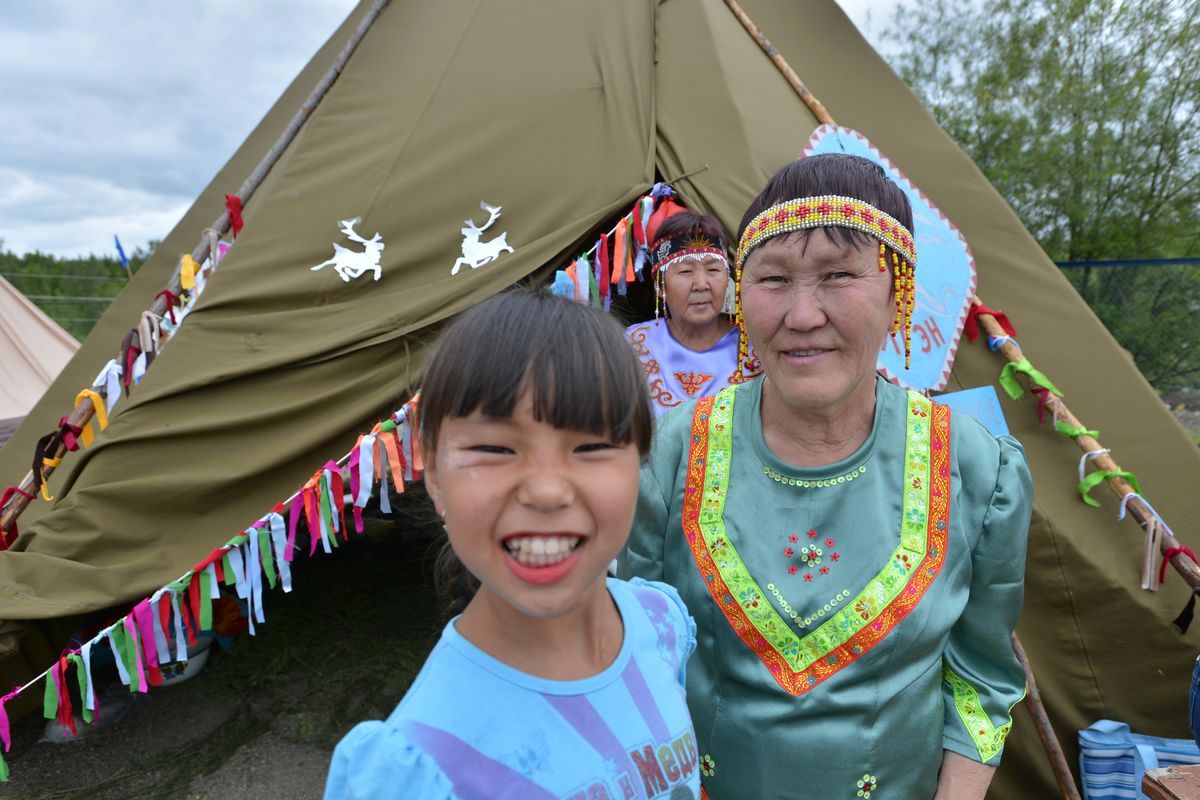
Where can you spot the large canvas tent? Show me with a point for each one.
(562, 114)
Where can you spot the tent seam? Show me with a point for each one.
(425, 107)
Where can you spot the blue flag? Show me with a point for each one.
(121, 253)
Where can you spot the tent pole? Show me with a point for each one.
(1058, 762)
(1037, 710)
(814, 105)
(83, 413)
(1184, 565)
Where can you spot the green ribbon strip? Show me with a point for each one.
(120, 644)
(387, 426)
(81, 676)
(3, 770)
(1075, 433)
(327, 510)
(268, 559)
(1008, 380)
(1098, 477)
(227, 568)
(50, 703)
(205, 601)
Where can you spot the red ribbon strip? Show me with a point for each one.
(172, 300)
(66, 713)
(1171, 553)
(233, 206)
(69, 432)
(8, 537)
(971, 326)
(132, 350)
(1043, 398)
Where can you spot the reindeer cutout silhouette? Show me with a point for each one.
(350, 264)
(476, 253)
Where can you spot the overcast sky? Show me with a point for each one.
(114, 115)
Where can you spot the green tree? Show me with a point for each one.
(1083, 114)
(74, 292)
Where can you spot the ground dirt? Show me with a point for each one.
(261, 721)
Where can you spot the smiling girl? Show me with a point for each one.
(554, 681)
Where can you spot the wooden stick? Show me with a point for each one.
(1187, 568)
(1041, 720)
(83, 413)
(814, 105)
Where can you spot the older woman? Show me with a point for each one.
(853, 553)
(692, 351)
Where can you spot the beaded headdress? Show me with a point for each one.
(693, 244)
(828, 211)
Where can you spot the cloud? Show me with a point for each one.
(117, 114)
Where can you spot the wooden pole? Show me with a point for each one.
(1058, 761)
(1041, 720)
(814, 105)
(1187, 568)
(83, 413)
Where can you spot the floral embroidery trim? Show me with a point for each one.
(824, 483)
(708, 767)
(693, 382)
(800, 663)
(866, 785)
(988, 739)
(659, 393)
(804, 622)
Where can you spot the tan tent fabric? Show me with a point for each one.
(33, 350)
(562, 113)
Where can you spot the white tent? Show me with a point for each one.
(33, 349)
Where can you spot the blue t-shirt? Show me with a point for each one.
(472, 727)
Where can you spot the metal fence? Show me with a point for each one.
(1152, 307)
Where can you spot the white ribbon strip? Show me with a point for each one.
(385, 504)
(122, 673)
(214, 585)
(278, 530)
(254, 570)
(366, 470)
(109, 380)
(139, 367)
(406, 442)
(181, 645)
(240, 584)
(85, 653)
(1083, 468)
(160, 636)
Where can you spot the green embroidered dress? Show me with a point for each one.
(854, 619)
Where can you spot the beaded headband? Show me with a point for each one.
(691, 245)
(824, 212)
(828, 211)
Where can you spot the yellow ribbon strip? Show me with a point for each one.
(101, 409)
(187, 272)
(48, 462)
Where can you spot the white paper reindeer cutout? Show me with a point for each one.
(476, 253)
(350, 264)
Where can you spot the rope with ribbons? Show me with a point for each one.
(159, 629)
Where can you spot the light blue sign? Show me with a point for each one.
(983, 404)
(945, 274)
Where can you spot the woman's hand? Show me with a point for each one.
(962, 779)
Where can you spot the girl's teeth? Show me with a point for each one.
(540, 551)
